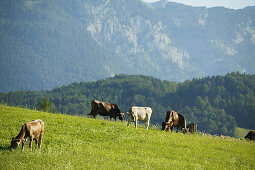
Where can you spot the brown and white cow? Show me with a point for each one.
(174, 119)
(105, 109)
(29, 131)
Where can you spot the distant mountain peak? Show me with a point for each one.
(53, 43)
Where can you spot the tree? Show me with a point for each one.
(45, 105)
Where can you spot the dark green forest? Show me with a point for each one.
(217, 104)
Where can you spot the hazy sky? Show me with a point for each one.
(234, 4)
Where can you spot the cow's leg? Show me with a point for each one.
(40, 141)
(36, 143)
(23, 145)
(136, 123)
(148, 124)
(30, 143)
(172, 127)
(93, 114)
(168, 128)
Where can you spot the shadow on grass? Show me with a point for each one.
(5, 148)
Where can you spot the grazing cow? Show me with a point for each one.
(139, 113)
(192, 127)
(29, 131)
(174, 119)
(222, 136)
(171, 116)
(106, 109)
(250, 135)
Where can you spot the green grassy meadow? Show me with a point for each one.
(72, 142)
(241, 132)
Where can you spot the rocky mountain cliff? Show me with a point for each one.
(51, 43)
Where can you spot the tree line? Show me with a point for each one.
(217, 104)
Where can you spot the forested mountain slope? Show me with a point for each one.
(217, 104)
(44, 44)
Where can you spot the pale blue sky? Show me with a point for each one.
(233, 4)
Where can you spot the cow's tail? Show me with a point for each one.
(92, 113)
(92, 110)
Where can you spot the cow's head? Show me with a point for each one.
(15, 143)
(185, 130)
(121, 116)
(165, 125)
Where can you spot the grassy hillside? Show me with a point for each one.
(241, 132)
(78, 142)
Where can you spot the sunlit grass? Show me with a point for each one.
(241, 132)
(72, 142)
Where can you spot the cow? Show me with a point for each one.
(29, 131)
(174, 119)
(192, 127)
(250, 135)
(105, 109)
(139, 113)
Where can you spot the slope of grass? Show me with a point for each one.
(78, 142)
(241, 132)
